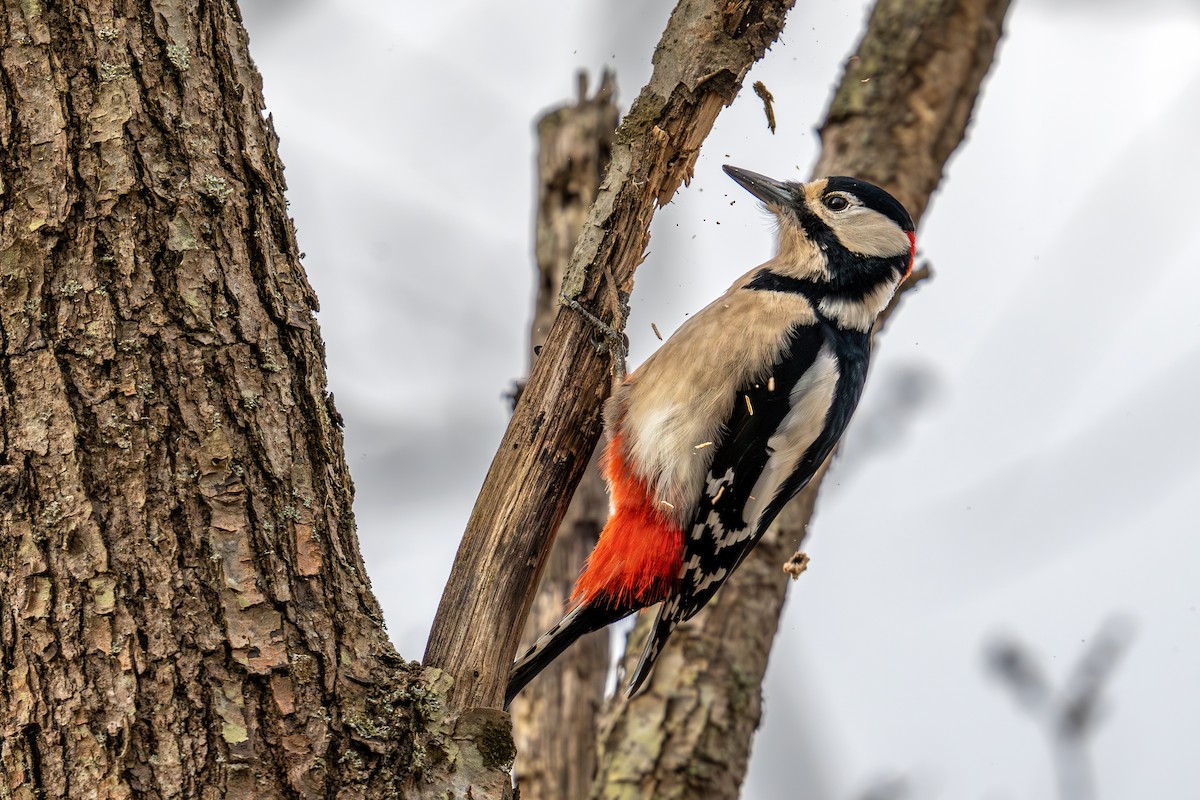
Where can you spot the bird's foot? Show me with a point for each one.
(611, 340)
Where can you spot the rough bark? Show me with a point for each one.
(902, 107)
(554, 718)
(704, 54)
(184, 611)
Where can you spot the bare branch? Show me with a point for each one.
(1080, 704)
(554, 718)
(1068, 716)
(1013, 666)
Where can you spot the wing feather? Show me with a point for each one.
(769, 434)
(769, 441)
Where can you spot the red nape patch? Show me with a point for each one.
(912, 253)
(636, 561)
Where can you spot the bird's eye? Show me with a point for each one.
(835, 202)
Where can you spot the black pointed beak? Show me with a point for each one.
(769, 190)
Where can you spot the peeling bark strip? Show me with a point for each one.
(183, 608)
(902, 107)
(554, 718)
(705, 52)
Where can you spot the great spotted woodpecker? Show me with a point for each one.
(715, 432)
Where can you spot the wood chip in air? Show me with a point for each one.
(720, 492)
(749, 407)
(796, 564)
(668, 505)
(771, 384)
(654, 328)
(703, 445)
(760, 89)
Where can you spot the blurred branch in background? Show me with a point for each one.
(1069, 717)
(901, 109)
(902, 395)
(892, 788)
(554, 718)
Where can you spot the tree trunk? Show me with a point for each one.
(555, 716)
(901, 109)
(183, 607)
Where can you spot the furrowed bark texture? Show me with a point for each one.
(706, 50)
(183, 607)
(902, 107)
(554, 717)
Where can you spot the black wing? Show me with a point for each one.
(720, 536)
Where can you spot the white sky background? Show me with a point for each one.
(1027, 456)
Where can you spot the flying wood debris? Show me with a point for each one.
(761, 90)
(796, 564)
(654, 328)
(749, 408)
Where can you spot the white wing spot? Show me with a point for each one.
(732, 537)
(710, 579)
(718, 481)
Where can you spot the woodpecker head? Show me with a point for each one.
(861, 231)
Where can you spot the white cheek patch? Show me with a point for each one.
(869, 233)
(811, 399)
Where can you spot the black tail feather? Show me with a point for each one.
(551, 644)
(670, 613)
